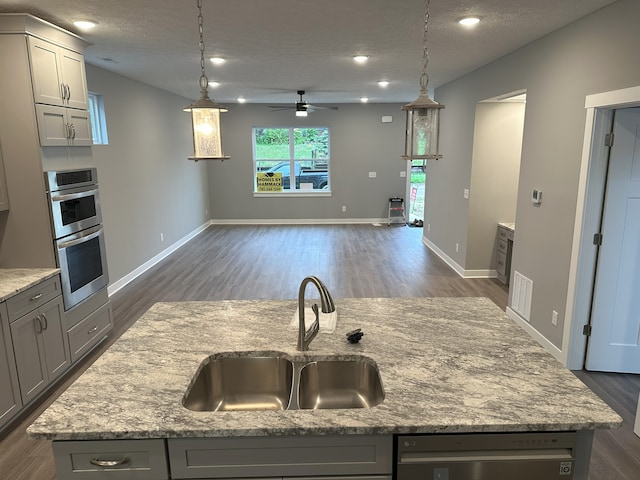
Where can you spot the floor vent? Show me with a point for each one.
(522, 293)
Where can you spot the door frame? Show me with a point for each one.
(600, 109)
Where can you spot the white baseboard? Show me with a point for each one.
(120, 283)
(298, 221)
(458, 269)
(537, 336)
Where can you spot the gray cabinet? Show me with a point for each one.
(58, 75)
(504, 246)
(10, 402)
(39, 337)
(41, 348)
(4, 195)
(60, 126)
(111, 459)
(60, 92)
(280, 457)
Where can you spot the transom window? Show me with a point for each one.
(279, 151)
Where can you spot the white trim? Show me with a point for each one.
(591, 183)
(480, 274)
(537, 336)
(443, 256)
(120, 283)
(298, 221)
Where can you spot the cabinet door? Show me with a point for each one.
(74, 78)
(4, 196)
(80, 122)
(45, 74)
(54, 344)
(30, 362)
(52, 126)
(10, 402)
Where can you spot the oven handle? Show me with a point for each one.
(72, 196)
(82, 237)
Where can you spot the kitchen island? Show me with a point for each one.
(448, 365)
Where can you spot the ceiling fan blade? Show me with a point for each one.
(323, 107)
(281, 107)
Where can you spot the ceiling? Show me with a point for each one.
(275, 47)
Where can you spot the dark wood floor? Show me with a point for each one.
(268, 262)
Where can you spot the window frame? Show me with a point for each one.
(291, 192)
(99, 134)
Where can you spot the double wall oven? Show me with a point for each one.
(78, 234)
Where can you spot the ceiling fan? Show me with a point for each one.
(301, 107)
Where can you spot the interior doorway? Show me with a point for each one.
(600, 110)
(416, 181)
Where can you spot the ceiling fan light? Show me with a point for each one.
(301, 113)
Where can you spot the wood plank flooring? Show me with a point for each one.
(268, 262)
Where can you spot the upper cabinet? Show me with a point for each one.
(58, 75)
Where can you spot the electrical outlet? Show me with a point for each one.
(428, 227)
(344, 208)
(554, 318)
(162, 237)
(372, 174)
(403, 174)
(457, 247)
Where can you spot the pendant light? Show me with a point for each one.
(205, 113)
(423, 114)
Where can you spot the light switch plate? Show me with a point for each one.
(372, 174)
(466, 193)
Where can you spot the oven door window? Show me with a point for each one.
(84, 263)
(72, 211)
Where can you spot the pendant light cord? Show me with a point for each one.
(204, 81)
(424, 78)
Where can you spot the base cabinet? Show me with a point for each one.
(344, 457)
(10, 401)
(41, 348)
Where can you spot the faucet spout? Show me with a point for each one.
(326, 304)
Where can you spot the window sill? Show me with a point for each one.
(295, 193)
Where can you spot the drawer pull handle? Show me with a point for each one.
(35, 297)
(109, 463)
(93, 329)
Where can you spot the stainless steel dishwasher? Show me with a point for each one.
(499, 456)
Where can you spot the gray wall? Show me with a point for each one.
(360, 143)
(147, 185)
(594, 54)
(497, 147)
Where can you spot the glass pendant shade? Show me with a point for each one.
(422, 129)
(205, 123)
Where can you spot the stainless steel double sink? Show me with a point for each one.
(276, 381)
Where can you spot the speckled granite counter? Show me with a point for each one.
(16, 280)
(447, 365)
(508, 226)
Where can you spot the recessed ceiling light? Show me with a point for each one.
(217, 60)
(85, 24)
(241, 100)
(361, 58)
(213, 84)
(364, 99)
(383, 83)
(469, 21)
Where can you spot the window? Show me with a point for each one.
(277, 152)
(98, 121)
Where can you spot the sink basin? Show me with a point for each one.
(242, 383)
(272, 381)
(339, 384)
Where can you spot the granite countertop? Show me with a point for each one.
(447, 365)
(16, 280)
(508, 226)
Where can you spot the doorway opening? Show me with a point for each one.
(416, 189)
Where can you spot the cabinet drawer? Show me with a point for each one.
(139, 459)
(280, 456)
(84, 335)
(501, 263)
(503, 246)
(33, 298)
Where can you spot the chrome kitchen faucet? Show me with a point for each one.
(326, 302)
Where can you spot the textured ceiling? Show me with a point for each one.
(275, 47)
